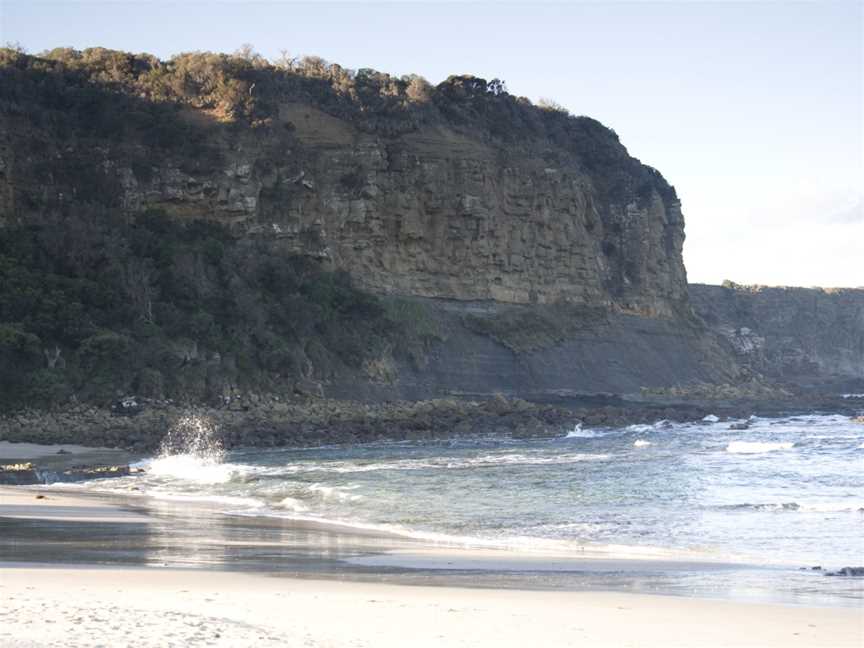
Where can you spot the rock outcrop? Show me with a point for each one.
(813, 337)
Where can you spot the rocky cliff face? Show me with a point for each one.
(458, 192)
(809, 336)
(436, 210)
(433, 213)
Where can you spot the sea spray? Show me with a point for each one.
(192, 451)
(193, 435)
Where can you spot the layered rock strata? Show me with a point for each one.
(808, 336)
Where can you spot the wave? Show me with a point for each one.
(193, 468)
(433, 463)
(293, 504)
(818, 507)
(334, 493)
(526, 460)
(641, 443)
(225, 500)
(711, 418)
(578, 432)
(757, 447)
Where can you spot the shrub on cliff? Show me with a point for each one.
(133, 96)
(173, 310)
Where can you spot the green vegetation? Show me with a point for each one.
(96, 303)
(419, 325)
(162, 309)
(136, 97)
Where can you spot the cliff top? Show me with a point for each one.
(758, 288)
(120, 94)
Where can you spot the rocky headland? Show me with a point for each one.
(309, 254)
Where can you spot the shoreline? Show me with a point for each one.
(159, 605)
(95, 525)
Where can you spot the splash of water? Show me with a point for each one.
(196, 436)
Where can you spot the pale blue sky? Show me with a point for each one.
(753, 110)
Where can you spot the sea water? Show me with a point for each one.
(787, 491)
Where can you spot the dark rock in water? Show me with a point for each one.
(23, 474)
(740, 426)
(814, 568)
(855, 572)
(61, 451)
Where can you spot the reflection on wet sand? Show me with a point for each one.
(178, 535)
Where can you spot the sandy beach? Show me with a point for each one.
(152, 607)
(47, 605)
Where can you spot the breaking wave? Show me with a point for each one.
(578, 432)
(757, 447)
(192, 468)
(820, 507)
(593, 487)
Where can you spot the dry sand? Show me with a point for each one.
(142, 607)
(153, 607)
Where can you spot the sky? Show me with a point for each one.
(754, 111)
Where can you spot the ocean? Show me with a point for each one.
(781, 497)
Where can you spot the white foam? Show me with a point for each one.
(640, 427)
(225, 500)
(434, 463)
(293, 504)
(579, 433)
(192, 468)
(832, 507)
(641, 443)
(335, 493)
(756, 447)
(525, 460)
(711, 418)
(663, 424)
(795, 507)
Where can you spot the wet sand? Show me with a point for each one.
(29, 451)
(86, 605)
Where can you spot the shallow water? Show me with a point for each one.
(788, 492)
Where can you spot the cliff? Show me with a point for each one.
(178, 228)
(813, 337)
